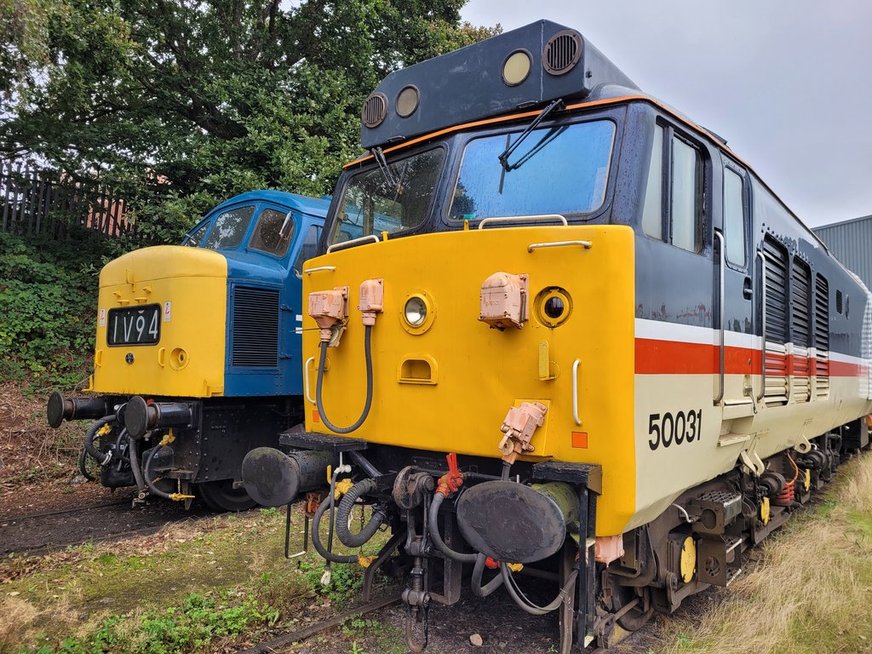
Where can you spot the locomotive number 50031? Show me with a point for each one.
(682, 427)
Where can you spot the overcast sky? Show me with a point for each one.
(788, 83)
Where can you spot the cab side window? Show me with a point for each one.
(268, 236)
(734, 217)
(309, 248)
(673, 197)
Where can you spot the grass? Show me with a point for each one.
(812, 591)
(195, 587)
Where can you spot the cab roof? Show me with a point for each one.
(312, 206)
(521, 69)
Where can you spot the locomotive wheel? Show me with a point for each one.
(221, 496)
(637, 617)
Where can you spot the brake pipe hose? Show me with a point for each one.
(436, 537)
(478, 589)
(146, 474)
(133, 449)
(367, 353)
(316, 537)
(343, 514)
(100, 457)
(528, 606)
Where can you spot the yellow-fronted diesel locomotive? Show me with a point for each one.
(557, 326)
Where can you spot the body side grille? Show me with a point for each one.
(255, 327)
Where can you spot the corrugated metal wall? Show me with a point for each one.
(851, 243)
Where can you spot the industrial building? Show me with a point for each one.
(850, 241)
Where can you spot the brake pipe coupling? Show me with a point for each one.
(329, 309)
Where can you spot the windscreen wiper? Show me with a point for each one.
(379, 157)
(504, 157)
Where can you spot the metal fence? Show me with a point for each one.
(36, 201)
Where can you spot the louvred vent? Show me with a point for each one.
(255, 327)
(375, 108)
(562, 52)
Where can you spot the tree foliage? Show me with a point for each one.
(182, 103)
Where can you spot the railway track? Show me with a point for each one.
(38, 533)
(273, 644)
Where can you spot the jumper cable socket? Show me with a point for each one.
(330, 311)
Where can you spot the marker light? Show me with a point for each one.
(415, 311)
(517, 67)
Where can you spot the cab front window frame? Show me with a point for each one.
(465, 140)
(335, 224)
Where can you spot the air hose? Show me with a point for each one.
(367, 352)
(100, 457)
(83, 467)
(146, 474)
(316, 537)
(133, 449)
(522, 601)
(436, 537)
(343, 514)
(477, 589)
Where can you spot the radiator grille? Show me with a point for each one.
(776, 321)
(800, 327)
(255, 327)
(822, 336)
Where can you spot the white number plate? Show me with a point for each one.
(134, 325)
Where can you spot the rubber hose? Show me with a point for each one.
(121, 436)
(146, 474)
(133, 449)
(316, 537)
(477, 589)
(367, 353)
(100, 457)
(525, 604)
(343, 514)
(436, 537)
(83, 468)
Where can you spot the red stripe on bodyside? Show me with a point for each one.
(660, 357)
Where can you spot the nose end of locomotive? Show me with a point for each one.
(513, 522)
(273, 478)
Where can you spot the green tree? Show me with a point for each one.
(181, 103)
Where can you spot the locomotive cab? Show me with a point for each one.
(205, 334)
(555, 323)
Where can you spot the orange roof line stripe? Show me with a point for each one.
(530, 114)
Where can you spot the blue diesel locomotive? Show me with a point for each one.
(200, 342)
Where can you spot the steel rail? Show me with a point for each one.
(269, 646)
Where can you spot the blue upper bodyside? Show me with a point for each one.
(251, 271)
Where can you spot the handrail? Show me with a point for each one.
(721, 267)
(587, 245)
(354, 241)
(762, 258)
(318, 269)
(306, 379)
(575, 417)
(524, 219)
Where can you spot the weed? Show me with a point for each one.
(345, 579)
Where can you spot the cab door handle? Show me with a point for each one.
(747, 291)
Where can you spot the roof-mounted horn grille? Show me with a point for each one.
(375, 108)
(562, 52)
